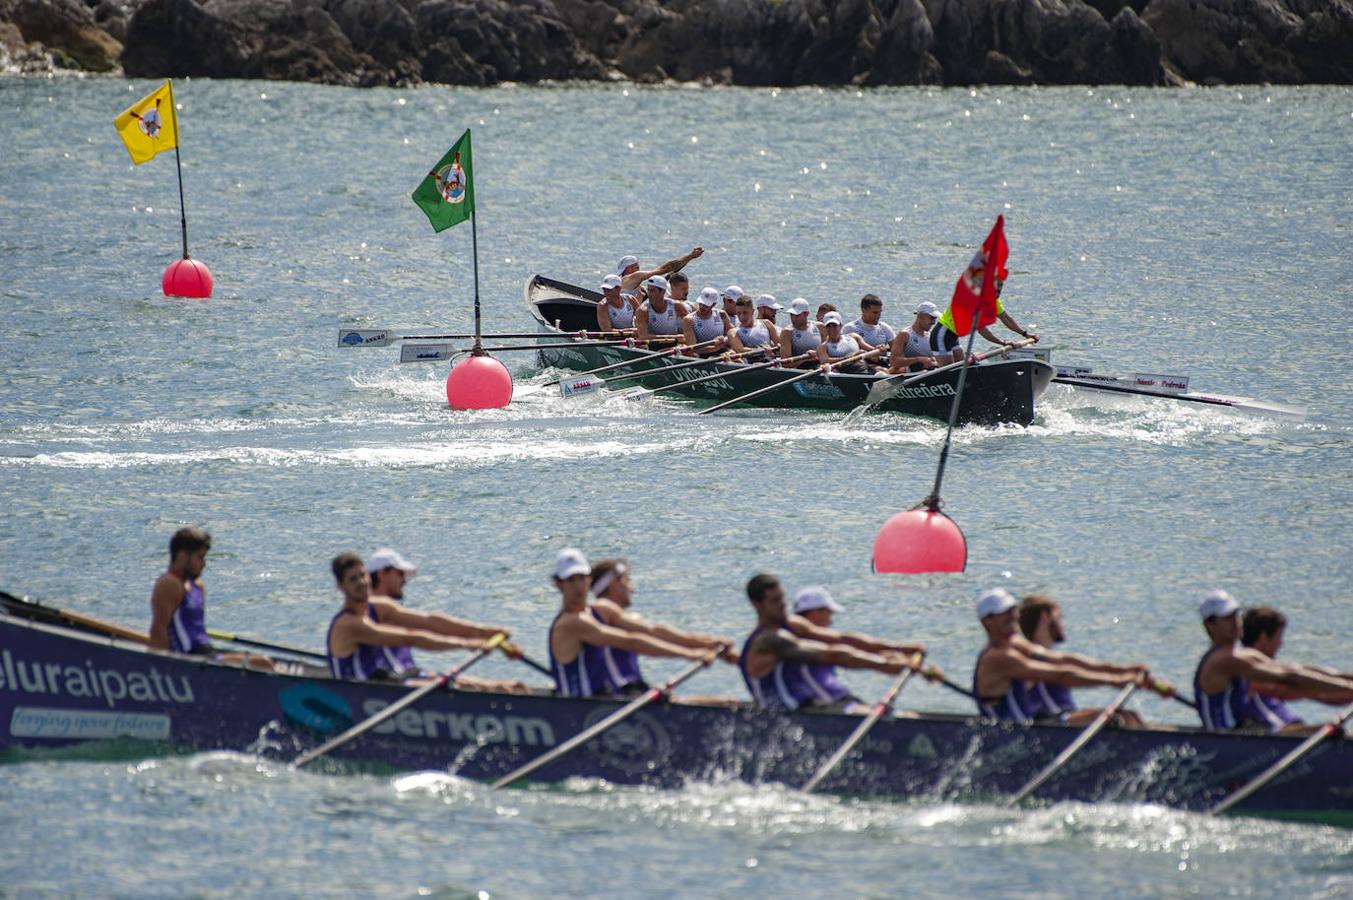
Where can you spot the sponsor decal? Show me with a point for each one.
(1162, 382)
(106, 684)
(315, 708)
(921, 747)
(483, 728)
(86, 724)
(819, 391)
(919, 392)
(638, 744)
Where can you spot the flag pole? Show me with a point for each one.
(178, 165)
(933, 501)
(474, 244)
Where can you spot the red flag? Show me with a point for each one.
(974, 291)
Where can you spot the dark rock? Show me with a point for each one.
(903, 54)
(1249, 41)
(67, 29)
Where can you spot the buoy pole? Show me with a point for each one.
(474, 245)
(178, 166)
(933, 501)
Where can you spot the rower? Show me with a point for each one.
(705, 324)
(612, 595)
(1004, 667)
(631, 276)
(578, 638)
(359, 647)
(1226, 675)
(731, 295)
(1041, 627)
(836, 346)
(766, 308)
(658, 314)
(389, 572)
(910, 351)
(750, 333)
(812, 621)
(801, 336)
(776, 663)
(678, 289)
(178, 615)
(613, 312)
(945, 342)
(822, 311)
(1262, 629)
(870, 329)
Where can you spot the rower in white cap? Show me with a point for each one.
(836, 346)
(910, 351)
(706, 323)
(613, 312)
(631, 276)
(658, 314)
(802, 335)
(731, 295)
(766, 308)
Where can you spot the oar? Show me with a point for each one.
(74, 618)
(886, 388)
(885, 703)
(628, 362)
(264, 645)
(824, 370)
(408, 700)
(1118, 385)
(436, 352)
(384, 337)
(1074, 747)
(587, 385)
(605, 724)
(1328, 730)
(646, 392)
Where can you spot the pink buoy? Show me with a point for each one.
(920, 540)
(479, 382)
(187, 278)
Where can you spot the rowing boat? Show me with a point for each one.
(63, 684)
(997, 391)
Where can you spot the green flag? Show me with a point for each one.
(447, 193)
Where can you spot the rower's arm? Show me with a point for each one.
(1009, 322)
(688, 333)
(640, 323)
(1263, 672)
(589, 631)
(676, 265)
(784, 645)
(438, 623)
(604, 316)
(359, 630)
(786, 344)
(1070, 675)
(805, 628)
(165, 598)
(1047, 654)
(735, 342)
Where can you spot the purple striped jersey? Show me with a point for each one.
(362, 664)
(586, 675)
(622, 666)
(787, 686)
(1016, 706)
(1232, 708)
(188, 626)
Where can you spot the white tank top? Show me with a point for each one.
(621, 316)
(917, 344)
(879, 333)
(755, 336)
(842, 348)
(663, 322)
(706, 329)
(803, 341)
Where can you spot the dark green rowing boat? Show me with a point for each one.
(996, 392)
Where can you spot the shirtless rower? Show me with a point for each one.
(1262, 629)
(658, 314)
(1041, 627)
(612, 596)
(776, 663)
(750, 333)
(357, 645)
(705, 324)
(614, 311)
(910, 351)
(836, 346)
(178, 617)
(1228, 676)
(945, 342)
(631, 276)
(801, 336)
(1005, 667)
(577, 637)
(389, 573)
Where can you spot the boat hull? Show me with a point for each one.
(60, 687)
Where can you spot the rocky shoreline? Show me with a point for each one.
(743, 42)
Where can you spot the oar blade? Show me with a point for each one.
(920, 540)
(365, 337)
(577, 387)
(425, 352)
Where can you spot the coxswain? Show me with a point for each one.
(836, 346)
(178, 600)
(658, 314)
(945, 342)
(578, 638)
(612, 596)
(1005, 668)
(389, 573)
(778, 665)
(705, 324)
(870, 329)
(910, 351)
(751, 333)
(1041, 628)
(801, 336)
(359, 647)
(1230, 678)
(631, 276)
(614, 312)
(766, 308)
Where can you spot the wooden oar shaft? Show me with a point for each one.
(409, 699)
(670, 351)
(107, 627)
(1328, 730)
(605, 724)
(685, 364)
(1074, 747)
(885, 703)
(825, 369)
(264, 645)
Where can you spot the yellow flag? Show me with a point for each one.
(148, 125)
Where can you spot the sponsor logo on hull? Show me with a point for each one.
(110, 685)
(818, 391)
(86, 724)
(433, 724)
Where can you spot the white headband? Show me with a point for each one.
(601, 584)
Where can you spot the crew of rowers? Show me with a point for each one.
(790, 659)
(735, 326)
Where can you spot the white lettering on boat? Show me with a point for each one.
(86, 724)
(490, 729)
(110, 685)
(927, 390)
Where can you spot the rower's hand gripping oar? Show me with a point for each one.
(885, 703)
(670, 351)
(407, 700)
(615, 718)
(639, 393)
(825, 370)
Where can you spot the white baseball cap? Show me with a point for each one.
(610, 281)
(832, 318)
(814, 597)
(928, 309)
(994, 602)
(571, 562)
(733, 292)
(657, 281)
(767, 301)
(1218, 603)
(798, 306)
(385, 558)
(625, 263)
(708, 297)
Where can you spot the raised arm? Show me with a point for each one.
(672, 265)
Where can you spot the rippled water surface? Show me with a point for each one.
(1201, 232)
